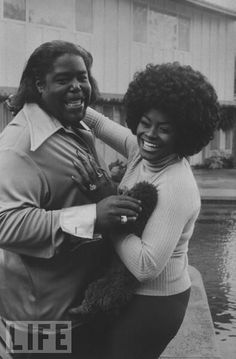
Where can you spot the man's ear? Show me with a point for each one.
(39, 85)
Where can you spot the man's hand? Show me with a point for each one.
(111, 210)
(92, 179)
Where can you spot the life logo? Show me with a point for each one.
(34, 337)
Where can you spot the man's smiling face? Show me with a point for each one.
(66, 90)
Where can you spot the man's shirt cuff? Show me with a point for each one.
(79, 221)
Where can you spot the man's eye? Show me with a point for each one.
(83, 78)
(62, 81)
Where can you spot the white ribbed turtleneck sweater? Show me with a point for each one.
(159, 258)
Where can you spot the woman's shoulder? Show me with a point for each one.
(179, 179)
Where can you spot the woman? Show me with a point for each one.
(172, 112)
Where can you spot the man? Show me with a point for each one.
(48, 228)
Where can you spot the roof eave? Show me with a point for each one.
(224, 11)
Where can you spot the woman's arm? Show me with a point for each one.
(116, 136)
(174, 215)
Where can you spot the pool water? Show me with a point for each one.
(213, 252)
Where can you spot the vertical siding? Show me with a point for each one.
(205, 43)
(5, 116)
(124, 40)
(117, 56)
(196, 36)
(213, 51)
(111, 46)
(84, 40)
(34, 37)
(15, 52)
(98, 42)
(2, 47)
(50, 34)
(229, 63)
(221, 59)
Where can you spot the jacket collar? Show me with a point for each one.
(41, 125)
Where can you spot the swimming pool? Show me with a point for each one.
(213, 252)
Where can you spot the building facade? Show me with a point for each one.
(123, 36)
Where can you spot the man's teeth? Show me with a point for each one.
(74, 104)
(149, 146)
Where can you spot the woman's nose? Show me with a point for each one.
(153, 132)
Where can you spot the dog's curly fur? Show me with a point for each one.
(114, 289)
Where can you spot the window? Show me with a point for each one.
(163, 30)
(84, 15)
(228, 139)
(184, 34)
(56, 13)
(235, 77)
(140, 22)
(108, 111)
(215, 143)
(14, 9)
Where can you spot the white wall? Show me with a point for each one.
(116, 55)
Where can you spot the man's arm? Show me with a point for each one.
(26, 227)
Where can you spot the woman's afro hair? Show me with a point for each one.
(180, 93)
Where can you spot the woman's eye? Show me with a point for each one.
(165, 129)
(144, 122)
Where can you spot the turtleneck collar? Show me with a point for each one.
(159, 165)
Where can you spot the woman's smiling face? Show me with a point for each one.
(156, 136)
(66, 90)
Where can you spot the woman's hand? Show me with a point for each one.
(92, 179)
(116, 210)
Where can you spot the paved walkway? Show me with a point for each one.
(196, 337)
(217, 184)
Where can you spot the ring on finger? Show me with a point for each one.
(92, 187)
(123, 219)
(99, 174)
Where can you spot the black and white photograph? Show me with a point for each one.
(117, 179)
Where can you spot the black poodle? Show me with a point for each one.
(115, 287)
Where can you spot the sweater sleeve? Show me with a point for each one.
(25, 226)
(116, 136)
(171, 222)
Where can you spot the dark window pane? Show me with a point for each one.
(162, 30)
(235, 77)
(108, 111)
(215, 143)
(14, 9)
(58, 13)
(228, 140)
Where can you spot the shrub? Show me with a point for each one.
(218, 160)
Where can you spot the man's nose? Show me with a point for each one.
(75, 85)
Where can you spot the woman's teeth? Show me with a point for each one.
(149, 146)
(74, 104)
